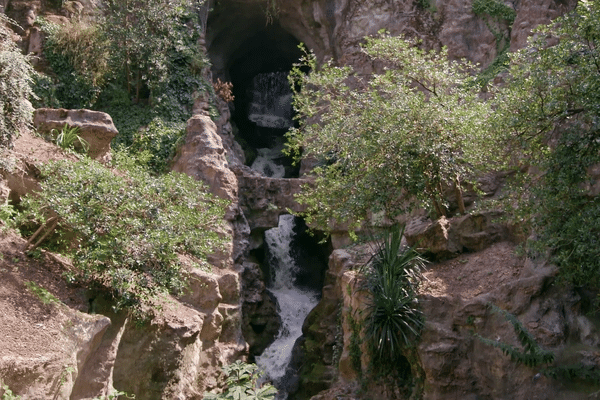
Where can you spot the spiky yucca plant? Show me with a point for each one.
(393, 273)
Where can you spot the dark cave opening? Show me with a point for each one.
(262, 110)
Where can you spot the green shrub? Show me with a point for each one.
(550, 104)
(68, 138)
(126, 231)
(77, 54)
(159, 140)
(16, 79)
(8, 394)
(532, 355)
(242, 384)
(393, 320)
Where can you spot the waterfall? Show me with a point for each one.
(271, 110)
(271, 104)
(294, 304)
(265, 164)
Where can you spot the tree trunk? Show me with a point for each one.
(459, 196)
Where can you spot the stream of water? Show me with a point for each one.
(294, 304)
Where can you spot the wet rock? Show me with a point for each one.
(264, 199)
(260, 323)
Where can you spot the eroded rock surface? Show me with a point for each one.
(96, 127)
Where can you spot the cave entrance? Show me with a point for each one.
(256, 56)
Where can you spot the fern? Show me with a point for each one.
(531, 355)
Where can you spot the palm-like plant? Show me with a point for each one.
(68, 138)
(393, 320)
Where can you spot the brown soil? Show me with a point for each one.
(30, 325)
(31, 320)
(472, 274)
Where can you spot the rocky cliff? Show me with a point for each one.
(227, 313)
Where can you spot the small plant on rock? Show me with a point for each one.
(242, 384)
(68, 138)
(393, 274)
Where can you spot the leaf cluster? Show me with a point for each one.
(393, 320)
(391, 141)
(16, 79)
(68, 138)
(242, 384)
(78, 55)
(532, 355)
(494, 8)
(139, 62)
(550, 105)
(158, 141)
(126, 231)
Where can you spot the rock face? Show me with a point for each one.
(453, 362)
(95, 127)
(203, 157)
(335, 29)
(446, 237)
(265, 199)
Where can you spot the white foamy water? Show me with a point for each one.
(271, 105)
(294, 304)
(266, 166)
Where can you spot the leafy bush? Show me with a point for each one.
(393, 320)
(551, 106)
(77, 54)
(16, 79)
(531, 355)
(8, 394)
(242, 384)
(159, 140)
(391, 141)
(128, 230)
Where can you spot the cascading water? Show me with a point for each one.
(271, 104)
(294, 304)
(271, 109)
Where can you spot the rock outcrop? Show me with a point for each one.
(95, 127)
(454, 363)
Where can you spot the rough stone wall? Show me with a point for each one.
(453, 362)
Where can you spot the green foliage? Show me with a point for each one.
(355, 351)
(532, 355)
(127, 230)
(242, 384)
(494, 8)
(77, 54)
(7, 214)
(140, 62)
(390, 142)
(44, 295)
(68, 138)
(571, 372)
(393, 320)
(153, 47)
(499, 19)
(16, 79)
(159, 141)
(551, 106)
(8, 394)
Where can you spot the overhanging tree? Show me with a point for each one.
(390, 141)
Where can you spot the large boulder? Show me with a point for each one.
(96, 127)
(203, 157)
(447, 237)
